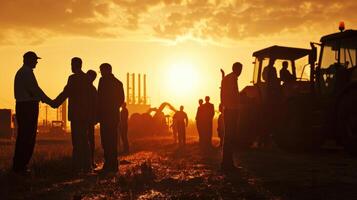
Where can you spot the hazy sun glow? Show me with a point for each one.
(182, 79)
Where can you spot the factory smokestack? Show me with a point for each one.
(139, 89)
(145, 98)
(133, 89)
(127, 88)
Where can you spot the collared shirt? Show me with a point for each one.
(26, 86)
(230, 92)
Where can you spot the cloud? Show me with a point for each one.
(43, 18)
(238, 20)
(34, 21)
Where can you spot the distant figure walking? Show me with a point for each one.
(199, 123)
(220, 126)
(181, 122)
(123, 128)
(207, 118)
(27, 95)
(93, 113)
(78, 93)
(230, 103)
(110, 98)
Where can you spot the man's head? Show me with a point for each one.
(30, 59)
(76, 64)
(105, 69)
(237, 68)
(123, 105)
(200, 101)
(207, 99)
(92, 75)
(271, 62)
(285, 64)
(181, 108)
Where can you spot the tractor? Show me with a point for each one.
(318, 103)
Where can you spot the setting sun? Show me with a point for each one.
(182, 79)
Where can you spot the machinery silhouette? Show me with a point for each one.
(153, 121)
(318, 105)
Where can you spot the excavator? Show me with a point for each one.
(152, 122)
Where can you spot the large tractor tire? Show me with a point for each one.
(248, 126)
(347, 121)
(297, 130)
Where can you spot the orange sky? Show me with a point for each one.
(162, 38)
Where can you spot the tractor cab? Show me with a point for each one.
(336, 69)
(282, 72)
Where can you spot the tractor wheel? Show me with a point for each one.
(347, 121)
(295, 132)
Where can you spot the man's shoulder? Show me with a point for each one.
(118, 81)
(24, 70)
(229, 76)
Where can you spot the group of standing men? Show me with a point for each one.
(204, 119)
(86, 107)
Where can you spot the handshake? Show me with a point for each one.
(53, 103)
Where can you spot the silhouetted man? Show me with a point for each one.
(181, 121)
(199, 123)
(272, 81)
(207, 117)
(93, 113)
(123, 127)
(27, 95)
(230, 103)
(285, 75)
(110, 98)
(77, 91)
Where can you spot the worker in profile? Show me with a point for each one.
(269, 73)
(77, 90)
(110, 98)
(230, 103)
(93, 112)
(207, 118)
(28, 94)
(272, 82)
(123, 128)
(199, 123)
(181, 121)
(285, 75)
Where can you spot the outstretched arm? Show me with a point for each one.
(63, 95)
(35, 90)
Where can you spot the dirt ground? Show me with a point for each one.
(157, 169)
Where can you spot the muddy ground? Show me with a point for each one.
(157, 169)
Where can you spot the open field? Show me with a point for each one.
(157, 169)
